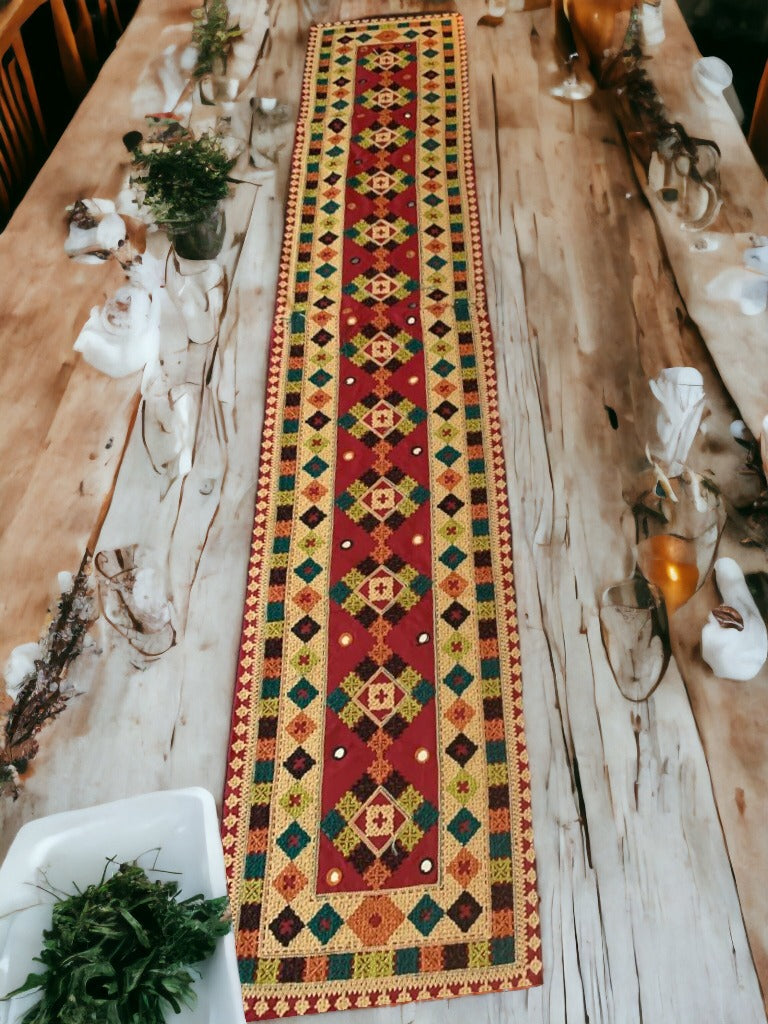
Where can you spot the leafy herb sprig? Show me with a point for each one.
(212, 36)
(181, 177)
(119, 952)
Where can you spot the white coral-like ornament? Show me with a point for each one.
(122, 336)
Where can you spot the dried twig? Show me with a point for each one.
(44, 693)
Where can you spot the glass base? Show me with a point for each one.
(202, 240)
(572, 89)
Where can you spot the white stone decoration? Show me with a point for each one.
(679, 391)
(734, 649)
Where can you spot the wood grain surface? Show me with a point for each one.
(650, 838)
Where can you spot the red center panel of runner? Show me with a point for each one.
(380, 794)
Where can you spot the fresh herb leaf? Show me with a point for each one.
(212, 36)
(119, 952)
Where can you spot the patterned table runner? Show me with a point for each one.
(377, 822)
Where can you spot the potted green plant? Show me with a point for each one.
(183, 180)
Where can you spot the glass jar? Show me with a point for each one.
(201, 239)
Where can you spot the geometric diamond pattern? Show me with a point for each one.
(379, 286)
(371, 590)
(376, 419)
(380, 832)
(389, 499)
(389, 348)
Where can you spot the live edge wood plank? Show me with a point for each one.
(641, 919)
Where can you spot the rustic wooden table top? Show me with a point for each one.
(649, 819)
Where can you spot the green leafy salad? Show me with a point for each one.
(120, 952)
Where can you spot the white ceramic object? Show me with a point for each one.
(679, 390)
(89, 245)
(71, 849)
(733, 653)
(267, 104)
(711, 77)
(652, 24)
(121, 336)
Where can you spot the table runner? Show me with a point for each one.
(377, 822)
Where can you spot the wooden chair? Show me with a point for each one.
(23, 134)
(758, 132)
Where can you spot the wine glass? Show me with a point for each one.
(673, 528)
(667, 413)
(633, 625)
(572, 87)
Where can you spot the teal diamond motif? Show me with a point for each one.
(426, 914)
(308, 570)
(431, 144)
(320, 378)
(339, 592)
(332, 823)
(326, 270)
(463, 826)
(458, 679)
(338, 700)
(303, 693)
(443, 367)
(452, 557)
(325, 923)
(316, 466)
(448, 455)
(293, 840)
(436, 262)
(330, 207)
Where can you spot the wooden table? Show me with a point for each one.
(649, 820)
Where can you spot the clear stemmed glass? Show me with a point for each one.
(667, 414)
(572, 87)
(633, 625)
(673, 528)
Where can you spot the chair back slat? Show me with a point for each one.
(758, 131)
(36, 98)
